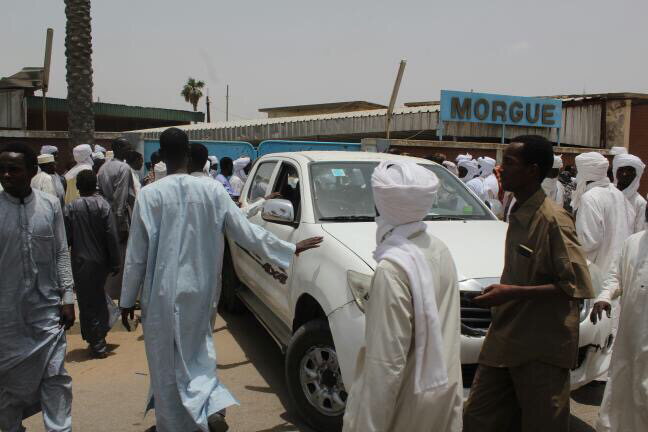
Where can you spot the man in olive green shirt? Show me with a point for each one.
(522, 383)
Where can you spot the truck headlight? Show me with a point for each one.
(359, 285)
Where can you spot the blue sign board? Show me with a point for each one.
(457, 106)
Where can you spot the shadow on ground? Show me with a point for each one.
(267, 358)
(578, 425)
(83, 354)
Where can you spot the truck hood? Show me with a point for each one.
(476, 246)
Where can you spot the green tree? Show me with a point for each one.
(192, 92)
(78, 53)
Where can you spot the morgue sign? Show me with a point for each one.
(471, 107)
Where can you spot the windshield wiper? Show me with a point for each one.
(349, 218)
(444, 218)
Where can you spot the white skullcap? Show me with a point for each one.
(98, 148)
(486, 164)
(618, 150)
(110, 155)
(558, 162)
(49, 149)
(45, 159)
(471, 166)
(628, 160)
(98, 156)
(403, 191)
(592, 167)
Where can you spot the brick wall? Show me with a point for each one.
(639, 138)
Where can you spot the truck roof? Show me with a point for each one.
(331, 156)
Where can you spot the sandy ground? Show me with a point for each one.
(110, 394)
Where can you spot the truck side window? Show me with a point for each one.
(259, 186)
(287, 184)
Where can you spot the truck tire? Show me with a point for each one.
(230, 285)
(313, 377)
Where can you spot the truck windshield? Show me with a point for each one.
(342, 192)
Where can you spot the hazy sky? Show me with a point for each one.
(287, 52)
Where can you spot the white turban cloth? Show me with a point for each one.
(404, 193)
(618, 150)
(592, 167)
(99, 148)
(159, 170)
(463, 157)
(98, 156)
(205, 169)
(49, 149)
(486, 165)
(83, 157)
(558, 162)
(212, 159)
(628, 160)
(471, 166)
(450, 166)
(239, 166)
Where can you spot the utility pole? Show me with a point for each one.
(208, 111)
(46, 71)
(394, 95)
(227, 103)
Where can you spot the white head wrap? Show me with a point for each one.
(45, 158)
(463, 157)
(403, 193)
(98, 156)
(592, 167)
(624, 160)
(83, 157)
(159, 170)
(558, 162)
(239, 165)
(450, 166)
(205, 169)
(99, 148)
(49, 149)
(471, 166)
(486, 165)
(618, 150)
(212, 159)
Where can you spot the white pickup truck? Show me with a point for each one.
(314, 309)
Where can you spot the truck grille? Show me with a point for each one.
(472, 316)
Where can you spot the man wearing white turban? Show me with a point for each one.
(486, 167)
(43, 181)
(409, 373)
(469, 174)
(628, 170)
(551, 186)
(601, 211)
(213, 168)
(83, 157)
(237, 181)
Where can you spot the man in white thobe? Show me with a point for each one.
(36, 299)
(625, 401)
(408, 376)
(43, 181)
(486, 167)
(601, 216)
(174, 254)
(83, 157)
(115, 181)
(237, 181)
(551, 186)
(628, 170)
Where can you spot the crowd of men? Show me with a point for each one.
(100, 233)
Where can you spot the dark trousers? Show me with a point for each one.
(90, 279)
(530, 398)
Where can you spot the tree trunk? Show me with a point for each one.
(78, 53)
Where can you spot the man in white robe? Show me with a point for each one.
(83, 157)
(469, 174)
(43, 181)
(625, 401)
(551, 186)
(115, 181)
(237, 181)
(628, 170)
(174, 255)
(36, 299)
(213, 166)
(408, 376)
(601, 211)
(486, 167)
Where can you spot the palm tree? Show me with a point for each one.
(78, 53)
(192, 92)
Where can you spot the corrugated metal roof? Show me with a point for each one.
(118, 110)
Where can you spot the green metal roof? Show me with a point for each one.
(116, 110)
